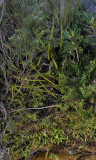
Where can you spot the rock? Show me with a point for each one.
(88, 5)
(4, 153)
(88, 157)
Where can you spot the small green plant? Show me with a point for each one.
(54, 156)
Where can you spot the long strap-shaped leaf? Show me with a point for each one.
(44, 77)
(16, 88)
(61, 38)
(39, 39)
(51, 35)
(55, 64)
(47, 90)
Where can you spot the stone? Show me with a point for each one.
(88, 157)
(88, 5)
(4, 153)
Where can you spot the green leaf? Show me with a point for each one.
(51, 35)
(44, 77)
(18, 91)
(40, 39)
(12, 91)
(55, 64)
(14, 67)
(85, 14)
(38, 62)
(47, 90)
(61, 38)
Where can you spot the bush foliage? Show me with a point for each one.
(48, 59)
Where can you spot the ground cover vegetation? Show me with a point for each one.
(47, 75)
